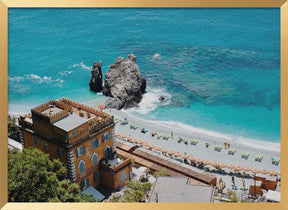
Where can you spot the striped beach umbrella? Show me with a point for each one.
(231, 166)
(145, 144)
(178, 154)
(223, 165)
(207, 162)
(264, 171)
(273, 173)
(164, 150)
(256, 170)
(185, 157)
(191, 158)
(239, 168)
(158, 148)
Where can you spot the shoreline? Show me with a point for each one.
(202, 135)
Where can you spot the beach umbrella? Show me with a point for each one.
(199, 160)
(247, 168)
(134, 140)
(223, 165)
(256, 170)
(101, 107)
(164, 150)
(171, 152)
(191, 158)
(140, 142)
(231, 166)
(158, 148)
(264, 171)
(151, 145)
(184, 157)
(214, 163)
(207, 162)
(273, 173)
(239, 168)
(178, 154)
(145, 144)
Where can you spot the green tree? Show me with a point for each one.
(13, 130)
(134, 191)
(32, 177)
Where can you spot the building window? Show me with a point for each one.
(123, 175)
(106, 136)
(96, 176)
(66, 137)
(35, 141)
(60, 152)
(45, 145)
(75, 134)
(81, 166)
(85, 183)
(81, 150)
(94, 143)
(108, 153)
(95, 159)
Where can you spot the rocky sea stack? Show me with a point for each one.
(96, 77)
(124, 83)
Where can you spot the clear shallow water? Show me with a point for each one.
(219, 69)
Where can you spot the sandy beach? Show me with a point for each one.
(199, 150)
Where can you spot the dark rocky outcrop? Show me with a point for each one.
(124, 83)
(96, 77)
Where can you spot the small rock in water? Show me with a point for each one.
(161, 98)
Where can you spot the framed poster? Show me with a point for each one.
(213, 69)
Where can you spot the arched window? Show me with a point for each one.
(123, 175)
(81, 166)
(95, 159)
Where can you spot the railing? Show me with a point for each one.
(117, 167)
(101, 124)
(84, 107)
(24, 123)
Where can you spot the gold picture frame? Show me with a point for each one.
(5, 4)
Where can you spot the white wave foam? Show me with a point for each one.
(150, 101)
(83, 66)
(156, 56)
(37, 79)
(65, 73)
(15, 79)
(258, 144)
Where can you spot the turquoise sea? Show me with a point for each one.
(218, 69)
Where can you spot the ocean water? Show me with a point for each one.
(218, 69)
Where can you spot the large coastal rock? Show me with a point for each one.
(124, 83)
(96, 77)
